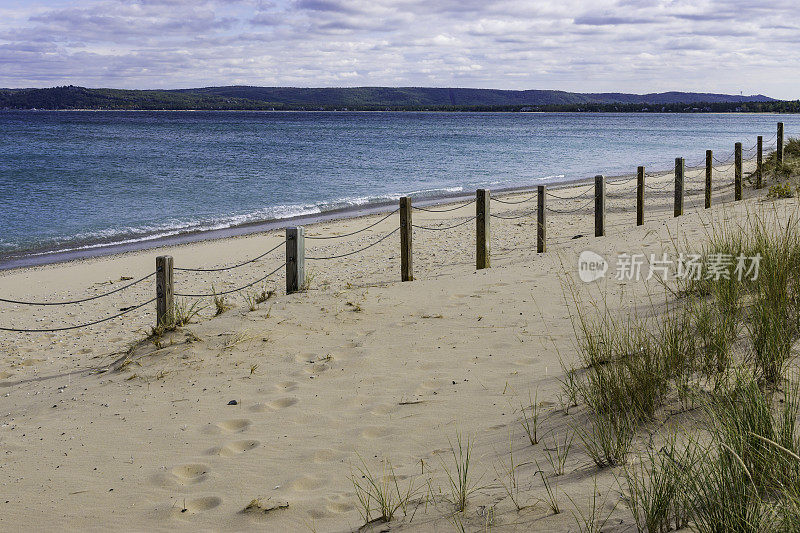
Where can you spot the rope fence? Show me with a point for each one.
(700, 173)
(231, 291)
(431, 228)
(82, 300)
(446, 210)
(348, 254)
(221, 269)
(87, 324)
(327, 237)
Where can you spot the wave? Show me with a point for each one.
(128, 235)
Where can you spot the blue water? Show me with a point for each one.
(77, 180)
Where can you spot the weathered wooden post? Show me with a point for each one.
(680, 170)
(295, 259)
(165, 289)
(737, 173)
(709, 174)
(482, 216)
(541, 220)
(780, 143)
(759, 161)
(639, 196)
(406, 230)
(599, 205)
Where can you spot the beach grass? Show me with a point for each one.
(460, 476)
(379, 493)
(725, 343)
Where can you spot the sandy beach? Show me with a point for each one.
(102, 429)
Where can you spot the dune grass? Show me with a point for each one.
(657, 486)
(722, 344)
(181, 314)
(460, 476)
(379, 494)
(791, 162)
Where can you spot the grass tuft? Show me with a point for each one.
(380, 494)
(460, 476)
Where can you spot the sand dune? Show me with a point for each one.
(102, 429)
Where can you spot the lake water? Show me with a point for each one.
(81, 181)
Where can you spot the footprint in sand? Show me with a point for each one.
(274, 405)
(327, 455)
(308, 482)
(382, 410)
(376, 432)
(286, 386)
(428, 386)
(318, 514)
(196, 505)
(282, 403)
(316, 368)
(189, 474)
(236, 425)
(338, 503)
(181, 476)
(234, 448)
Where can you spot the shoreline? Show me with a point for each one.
(13, 261)
(90, 250)
(571, 218)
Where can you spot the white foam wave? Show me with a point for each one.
(127, 235)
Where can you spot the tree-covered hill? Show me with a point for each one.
(379, 98)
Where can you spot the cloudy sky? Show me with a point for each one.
(729, 46)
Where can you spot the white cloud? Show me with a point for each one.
(623, 45)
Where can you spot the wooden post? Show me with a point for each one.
(639, 196)
(541, 219)
(759, 161)
(482, 216)
(295, 259)
(680, 170)
(709, 174)
(165, 288)
(780, 143)
(599, 205)
(737, 175)
(406, 230)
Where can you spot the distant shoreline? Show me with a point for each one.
(247, 98)
(443, 111)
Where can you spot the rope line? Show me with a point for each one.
(430, 228)
(232, 290)
(83, 299)
(581, 195)
(658, 188)
(657, 174)
(324, 237)
(512, 218)
(395, 230)
(65, 328)
(620, 182)
(570, 210)
(220, 269)
(498, 200)
(428, 210)
(723, 168)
